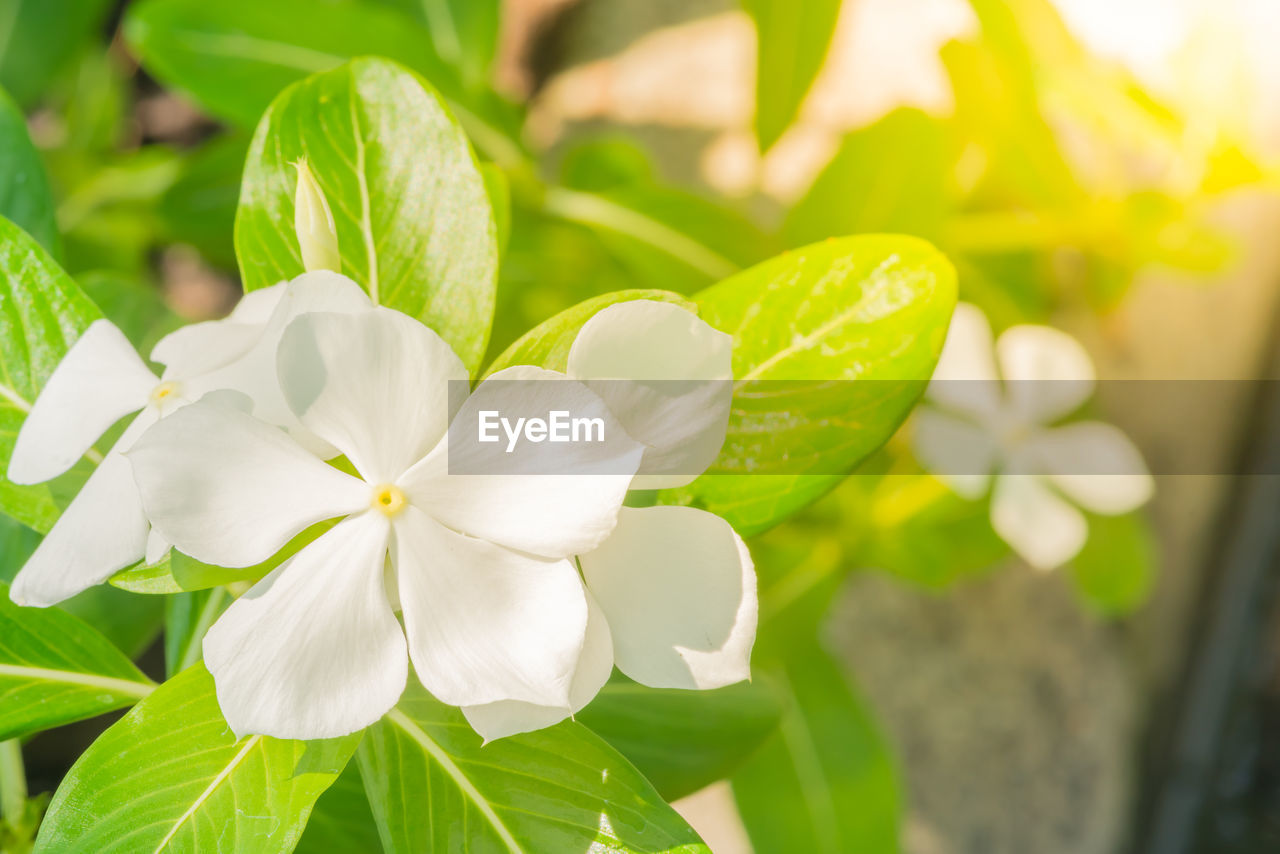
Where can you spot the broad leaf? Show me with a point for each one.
(415, 227)
(435, 787)
(833, 345)
(547, 344)
(55, 669)
(791, 42)
(683, 740)
(825, 783)
(200, 207)
(342, 821)
(25, 197)
(40, 37)
(42, 312)
(171, 776)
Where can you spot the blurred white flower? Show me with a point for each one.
(672, 591)
(994, 407)
(481, 565)
(102, 379)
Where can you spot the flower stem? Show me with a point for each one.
(13, 781)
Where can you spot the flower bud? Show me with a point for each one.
(313, 222)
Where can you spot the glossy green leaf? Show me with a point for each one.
(435, 787)
(791, 43)
(825, 783)
(833, 345)
(1116, 570)
(171, 776)
(42, 312)
(342, 820)
(40, 37)
(55, 669)
(235, 56)
(414, 223)
(683, 740)
(25, 197)
(547, 344)
(187, 616)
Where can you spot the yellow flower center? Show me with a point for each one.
(388, 499)
(164, 391)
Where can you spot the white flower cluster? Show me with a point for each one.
(513, 595)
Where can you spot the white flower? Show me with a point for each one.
(998, 427)
(481, 566)
(102, 379)
(672, 591)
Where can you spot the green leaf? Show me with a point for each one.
(683, 740)
(171, 776)
(342, 822)
(39, 37)
(200, 207)
(42, 312)
(54, 669)
(1116, 570)
(134, 306)
(434, 787)
(791, 43)
(234, 57)
(872, 309)
(25, 197)
(825, 783)
(187, 617)
(155, 579)
(463, 32)
(414, 223)
(547, 344)
(131, 622)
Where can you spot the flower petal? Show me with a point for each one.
(230, 490)
(1047, 373)
(521, 499)
(201, 347)
(486, 623)
(1095, 464)
(965, 379)
(956, 451)
(313, 650)
(103, 530)
(374, 384)
(1045, 530)
(100, 380)
(595, 664)
(679, 589)
(682, 415)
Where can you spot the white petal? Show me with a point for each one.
(254, 374)
(374, 384)
(157, 546)
(510, 498)
(957, 451)
(682, 416)
(595, 664)
(965, 378)
(100, 380)
(230, 490)
(201, 347)
(1047, 373)
(313, 650)
(486, 623)
(1041, 527)
(1095, 464)
(257, 306)
(679, 589)
(102, 531)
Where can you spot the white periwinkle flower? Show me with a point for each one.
(983, 426)
(481, 565)
(672, 591)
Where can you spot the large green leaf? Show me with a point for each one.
(42, 312)
(234, 57)
(826, 782)
(833, 345)
(170, 776)
(435, 787)
(54, 669)
(791, 42)
(38, 37)
(25, 197)
(415, 227)
(683, 740)
(341, 822)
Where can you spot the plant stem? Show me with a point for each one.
(13, 781)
